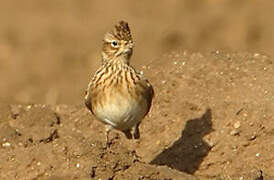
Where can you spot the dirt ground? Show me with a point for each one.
(210, 63)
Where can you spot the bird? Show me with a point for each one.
(117, 94)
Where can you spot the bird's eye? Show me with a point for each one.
(114, 43)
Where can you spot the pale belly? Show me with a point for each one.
(121, 112)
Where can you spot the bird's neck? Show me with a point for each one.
(119, 60)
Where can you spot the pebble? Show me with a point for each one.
(245, 143)
(256, 54)
(235, 132)
(15, 110)
(237, 125)
(211, 144)
(29, 107)
(158, 142)
(251, 124)
(253, 137)
(6, 144)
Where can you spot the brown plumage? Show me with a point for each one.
(117, 95)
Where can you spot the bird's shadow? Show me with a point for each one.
(187, 153)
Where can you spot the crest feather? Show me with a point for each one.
(121, 31)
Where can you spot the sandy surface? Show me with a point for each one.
(212, 116)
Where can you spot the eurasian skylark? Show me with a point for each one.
(117, 95)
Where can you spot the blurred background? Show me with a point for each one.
(50, 49)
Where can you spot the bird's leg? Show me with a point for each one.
(136, 135)
(128, 133)
(136, 132)
(108, 128)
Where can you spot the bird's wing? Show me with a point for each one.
(148, 93)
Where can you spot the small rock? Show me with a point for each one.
(158, 142)
(29, 107)
(253, 137)
(211, 144)
(237, 125)
(15, 110)
(77, 165)
(6, 144)
(235, 132)
(256, 54)
(245, 143)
